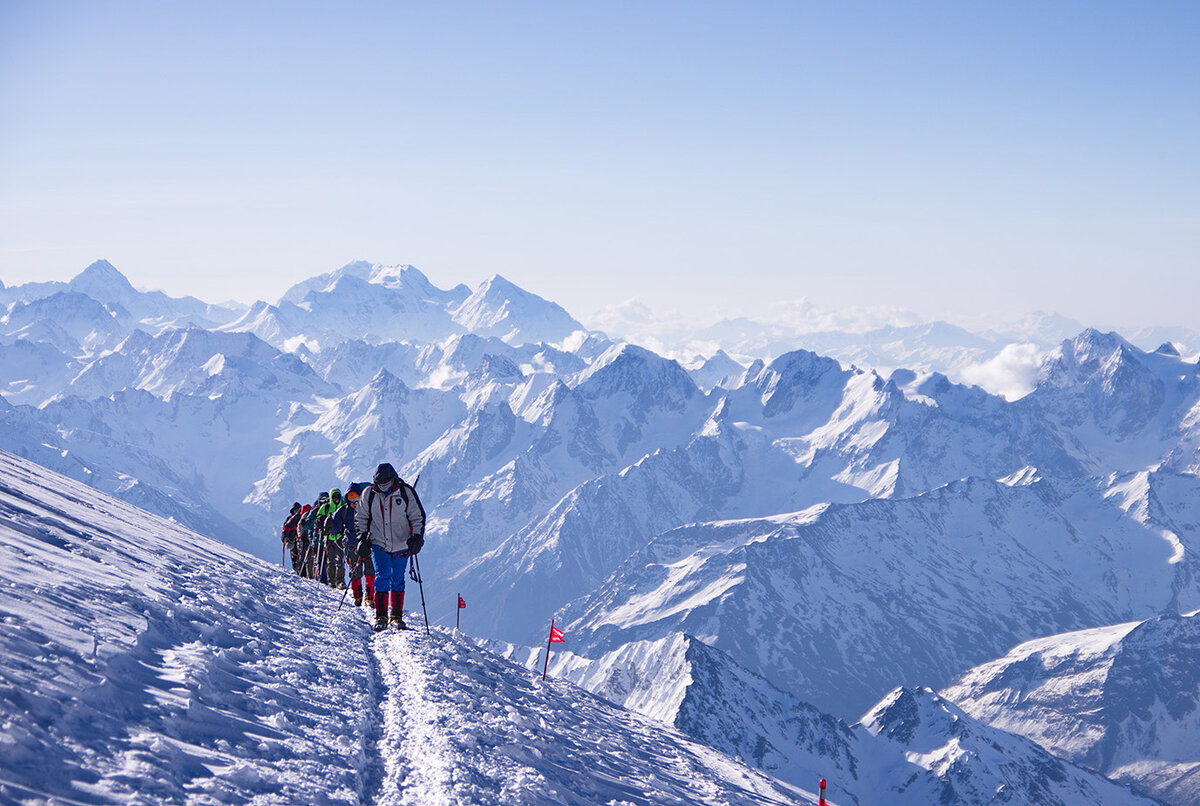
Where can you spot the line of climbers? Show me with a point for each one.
(374, 530)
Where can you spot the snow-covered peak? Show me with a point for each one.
(631, 370)
(102, 281)
(505, 310)
(971, 762)
(402, 278)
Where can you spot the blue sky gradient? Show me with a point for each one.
(949, 158)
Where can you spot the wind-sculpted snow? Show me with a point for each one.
(1123, 700)
(144, 663)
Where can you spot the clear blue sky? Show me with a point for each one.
(943, 157)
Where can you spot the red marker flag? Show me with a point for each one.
(556, 637)
(461, 603)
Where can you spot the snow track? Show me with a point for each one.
(464, 726)
(420, 759)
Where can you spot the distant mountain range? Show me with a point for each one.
(851, 536)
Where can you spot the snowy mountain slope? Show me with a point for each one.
(217, 472)
(143, 663)
(466, 726)
(702, 692)
(345, 440)
(973, 763)
(167, 668)
(73, 323)
(124, 469)
(902, 436)
(154, 309)
(398, 303)
(201, 363)
(794, 434)
(403, 278)
(713, 371)
(911, 748)
(840, 601)
(103, 283)
(1123, 700)
(35, 371)
(279, 325)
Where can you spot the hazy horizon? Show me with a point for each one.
(958, 162)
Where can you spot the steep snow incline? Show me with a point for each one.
(143, 663)
(466, 726)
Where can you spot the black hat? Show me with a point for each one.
(385, 473)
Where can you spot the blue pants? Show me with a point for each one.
(389, 569)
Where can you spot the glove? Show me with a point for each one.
(363, 549)
(415, 543)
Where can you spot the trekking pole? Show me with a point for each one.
(356, 573)
(414, 573)
(304, 560)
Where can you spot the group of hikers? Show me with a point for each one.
(373, 529)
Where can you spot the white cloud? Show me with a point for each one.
(1011, 373)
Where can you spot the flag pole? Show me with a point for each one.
(457, 611)
(548, 642)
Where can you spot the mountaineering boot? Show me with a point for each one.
(381, 612)
(397, 609)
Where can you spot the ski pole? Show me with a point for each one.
(414, 572)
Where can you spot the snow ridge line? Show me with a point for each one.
(418, 756)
